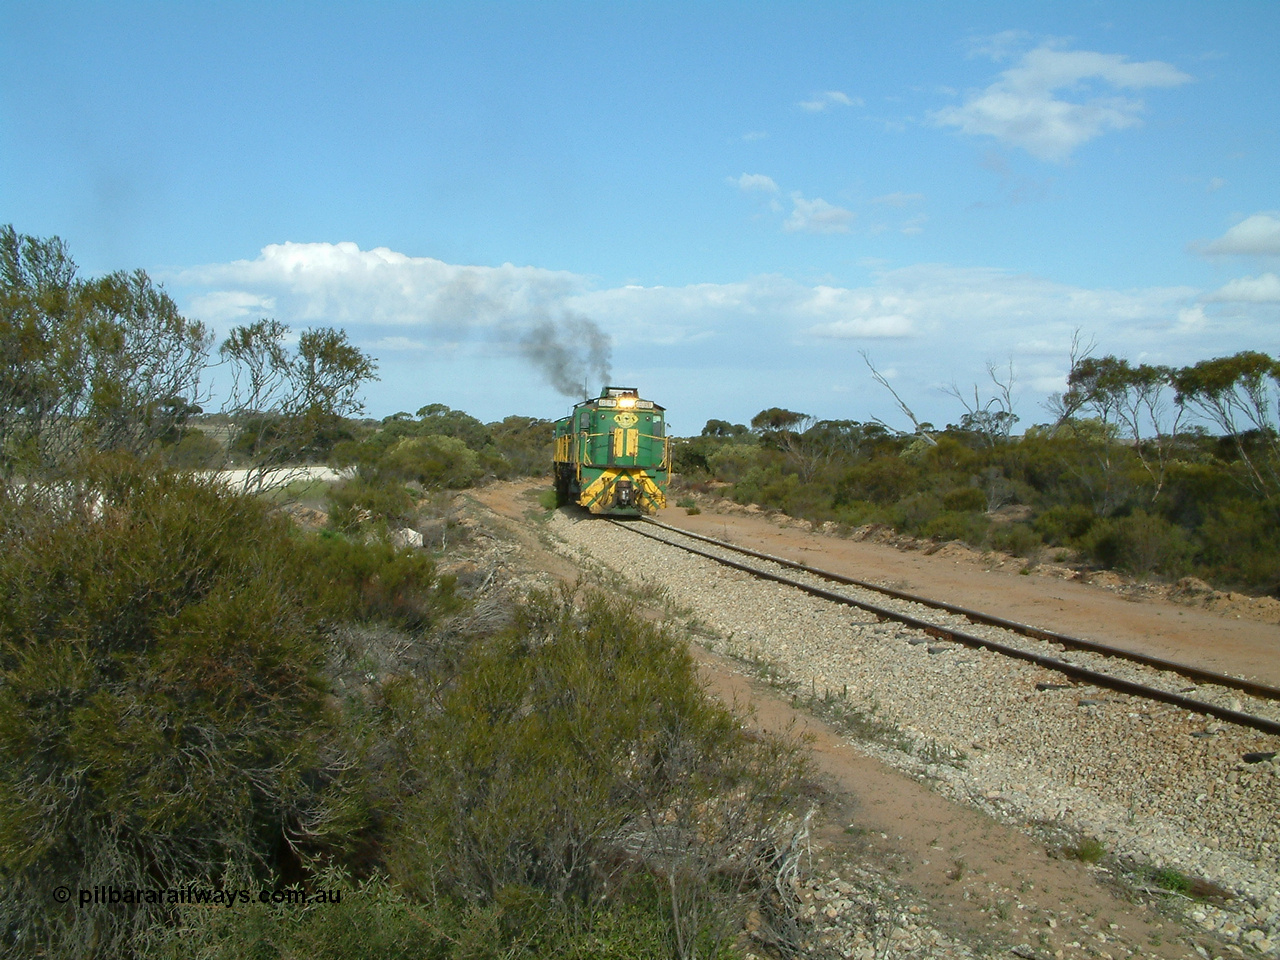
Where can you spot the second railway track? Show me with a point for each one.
(1149, 678)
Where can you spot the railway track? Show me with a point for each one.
(1008, 638)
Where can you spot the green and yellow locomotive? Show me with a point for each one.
(613, 455)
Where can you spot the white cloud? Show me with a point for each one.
(1022, 109)
(1261, 289)
(1215, 184)
(757, 182)
(999, 46)
(817, 216)
(222, 306)
(1192, 318)
(751, 136)
(914, 226)
(1258, 235)
(452, 326)
(428, 301)
(340, 284)
(827, 98)
(960, 305)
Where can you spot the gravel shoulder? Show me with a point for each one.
(951, 817)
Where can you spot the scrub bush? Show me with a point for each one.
(955, 525)
(360, 580)
(1241, 543)
(575, 756)
(915, 512)
(969, 499)
(433, 461)
(376, 919)
(1018, 539)
(163, 705)
(1064, 524)
(882, 480)
(732, 461)
(161, 702)
(1140, 543)
(362, 499)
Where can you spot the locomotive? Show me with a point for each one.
(613, 455)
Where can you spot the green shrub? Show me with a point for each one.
(1241, 543)
(1171, 879)
(955, 525)
(376, 919)
(1088, 850)
(1139, 543)
(576, 752)
(965, 499)
(882, 480)
(195, 450)
(361, 500)
(1064, 524)
(1018, 539)
(858, 512)
(356, 580)
(915, 512)
(162, 708)
(732, 461)
(433, 461)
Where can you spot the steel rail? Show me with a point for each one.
(967, 639)
(1251, 687)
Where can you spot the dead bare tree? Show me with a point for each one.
(1064, 406)
(880, 379)
(993, 418)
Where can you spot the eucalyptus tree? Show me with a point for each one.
(1238, 395)
(87, 366)
(287, 405)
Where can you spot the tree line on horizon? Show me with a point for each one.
(1148, 469)
(1151, 469)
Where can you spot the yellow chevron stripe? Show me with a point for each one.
(598, 495)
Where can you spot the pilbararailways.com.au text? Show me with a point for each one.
(199, 896)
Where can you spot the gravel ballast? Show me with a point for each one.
(1155, 784)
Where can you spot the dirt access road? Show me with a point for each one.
(986, 883)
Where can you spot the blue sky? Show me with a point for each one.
(745, 197)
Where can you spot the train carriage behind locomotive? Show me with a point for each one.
(612, 454)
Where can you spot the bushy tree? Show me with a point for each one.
(1238, 395)
(524, 443)
(433, 461)
(86, 365)
(289, 406)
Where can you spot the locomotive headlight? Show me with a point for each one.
(626, 402)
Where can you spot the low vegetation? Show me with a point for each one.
(1152, 471)
(173, 713)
